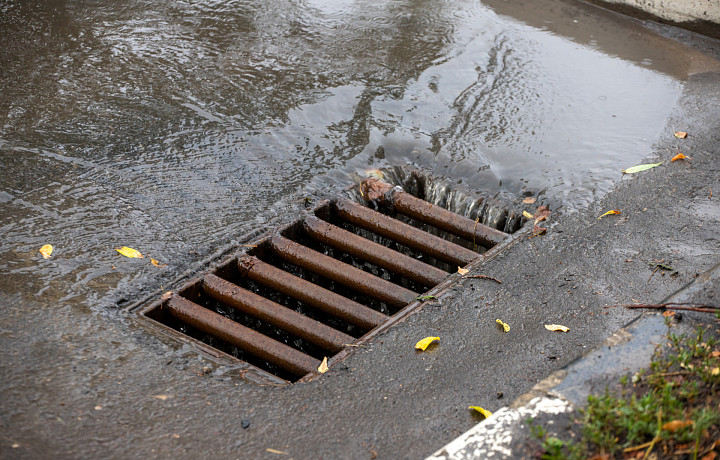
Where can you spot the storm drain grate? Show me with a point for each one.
(328, 281)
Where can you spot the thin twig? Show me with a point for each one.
(483, 277)
(657, 435)
(702, 308)
(638, 447)
(673, 374)
(653, 273)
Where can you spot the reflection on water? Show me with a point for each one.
(177, 127)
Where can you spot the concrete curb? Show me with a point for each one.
(551, 402)
(702, 16)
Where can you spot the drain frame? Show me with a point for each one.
(148, 312)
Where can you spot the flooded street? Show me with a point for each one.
(181, 128)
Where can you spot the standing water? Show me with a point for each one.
(177, 127)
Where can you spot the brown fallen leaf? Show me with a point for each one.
(600, 457)
(675, 425)
(323, 366)
(542, 213)
(537, 231)
(680, 156)
(46, 251)
(529, 200)
(709, 456)
(157, 264)
(681, 134)
(715, 354)
(372, 189)
(668, 313)
(463, 271)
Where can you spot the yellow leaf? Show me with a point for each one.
(639, 168)
(129, 252)
(505, 326)
(612, 211)
(485, 413)
(681, 134)
(675, 425)
(463, 271)
(556, 327)
(527, 215)
(715, 371)
(323, 366)
(680, 156)
(530, 200)
(157, 264)
(46, 251)
(424, 343)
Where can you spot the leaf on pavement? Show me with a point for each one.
(323, 366)
(556, 327)
(612, 211)
(46, 251)
(485, 413)
(505, 326)
(681, 134)
(424, 343)
(426, 297)
(129, 252)
(157, 264)
(680, 156)
(530, 200)
(463, 271)
(542, 213)
(537, 231)
(638, 168)
(528, 215)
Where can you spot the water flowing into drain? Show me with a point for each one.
(497, 211)
(335, 276)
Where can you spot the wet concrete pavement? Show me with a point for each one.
(100, 387)
(81, 378)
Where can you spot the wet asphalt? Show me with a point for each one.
(101, 386)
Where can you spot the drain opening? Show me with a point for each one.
(327, 281)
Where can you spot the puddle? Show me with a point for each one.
(178, 129)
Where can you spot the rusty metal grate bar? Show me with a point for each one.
(322, 283)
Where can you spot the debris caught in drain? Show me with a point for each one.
(326, 283)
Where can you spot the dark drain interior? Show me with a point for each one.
(326, 281)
